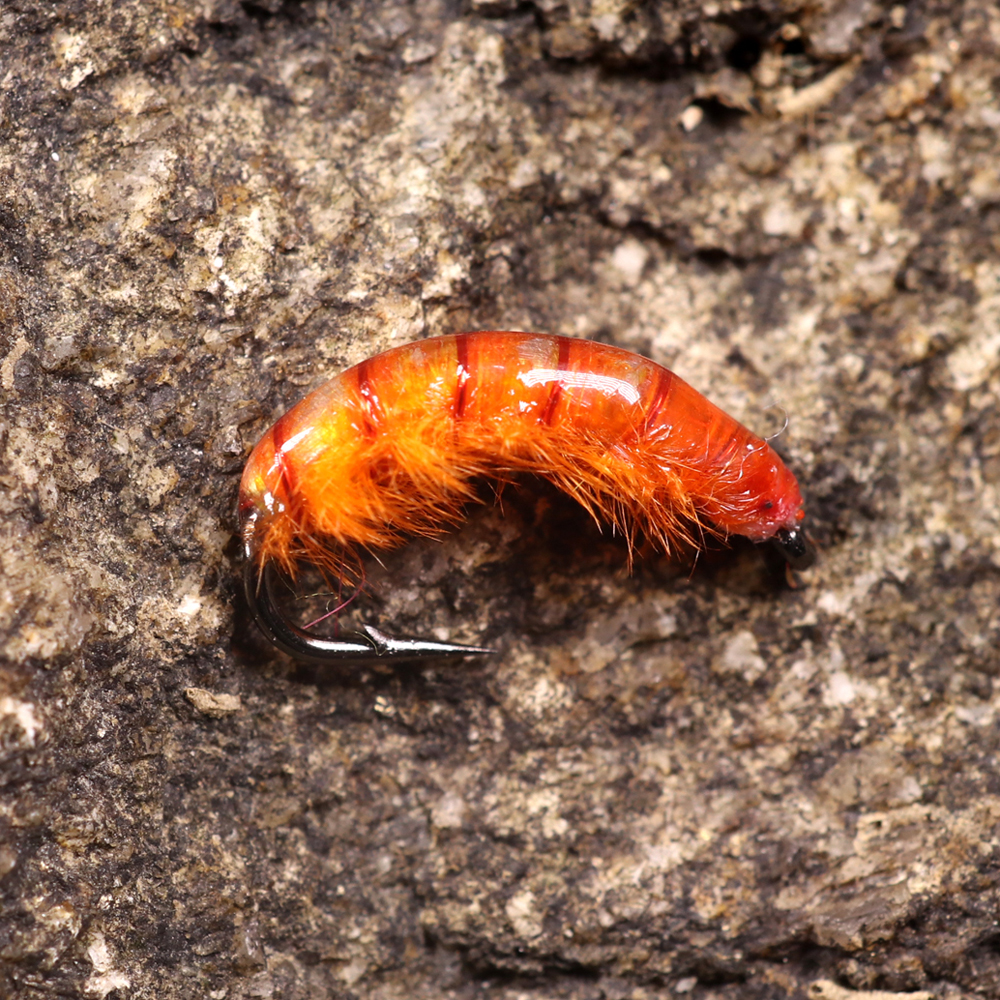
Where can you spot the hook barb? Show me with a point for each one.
(368, 646)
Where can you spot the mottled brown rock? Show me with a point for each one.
(687, 781)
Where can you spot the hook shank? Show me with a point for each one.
(368, 646)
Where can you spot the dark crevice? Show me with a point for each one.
(745, 54)
(265, 12)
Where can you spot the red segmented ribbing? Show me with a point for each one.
(565, 349)
(463, 373)
(369, 412)
(280, 432)
(664, 383)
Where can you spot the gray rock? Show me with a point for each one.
(696, 781)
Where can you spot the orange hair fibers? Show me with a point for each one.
(390, 447)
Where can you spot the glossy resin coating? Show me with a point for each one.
(389, 447)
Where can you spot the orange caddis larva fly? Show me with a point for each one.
(391, 446)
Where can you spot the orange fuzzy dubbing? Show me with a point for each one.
(390, 448)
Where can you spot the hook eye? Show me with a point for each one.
(795, 547)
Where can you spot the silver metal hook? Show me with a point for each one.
(369, 646)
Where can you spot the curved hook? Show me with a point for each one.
(370, 645)
(794, 545)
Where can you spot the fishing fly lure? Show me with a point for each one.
(391, 447)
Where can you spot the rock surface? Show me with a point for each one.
(679, 782)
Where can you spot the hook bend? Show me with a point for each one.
(369, 646)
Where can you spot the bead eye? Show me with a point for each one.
(796, 548)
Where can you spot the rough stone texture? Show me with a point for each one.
(702, 782)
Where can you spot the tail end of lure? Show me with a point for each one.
(794, 546)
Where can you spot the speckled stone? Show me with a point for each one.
(689, 781)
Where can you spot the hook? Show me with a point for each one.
(370, 646)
